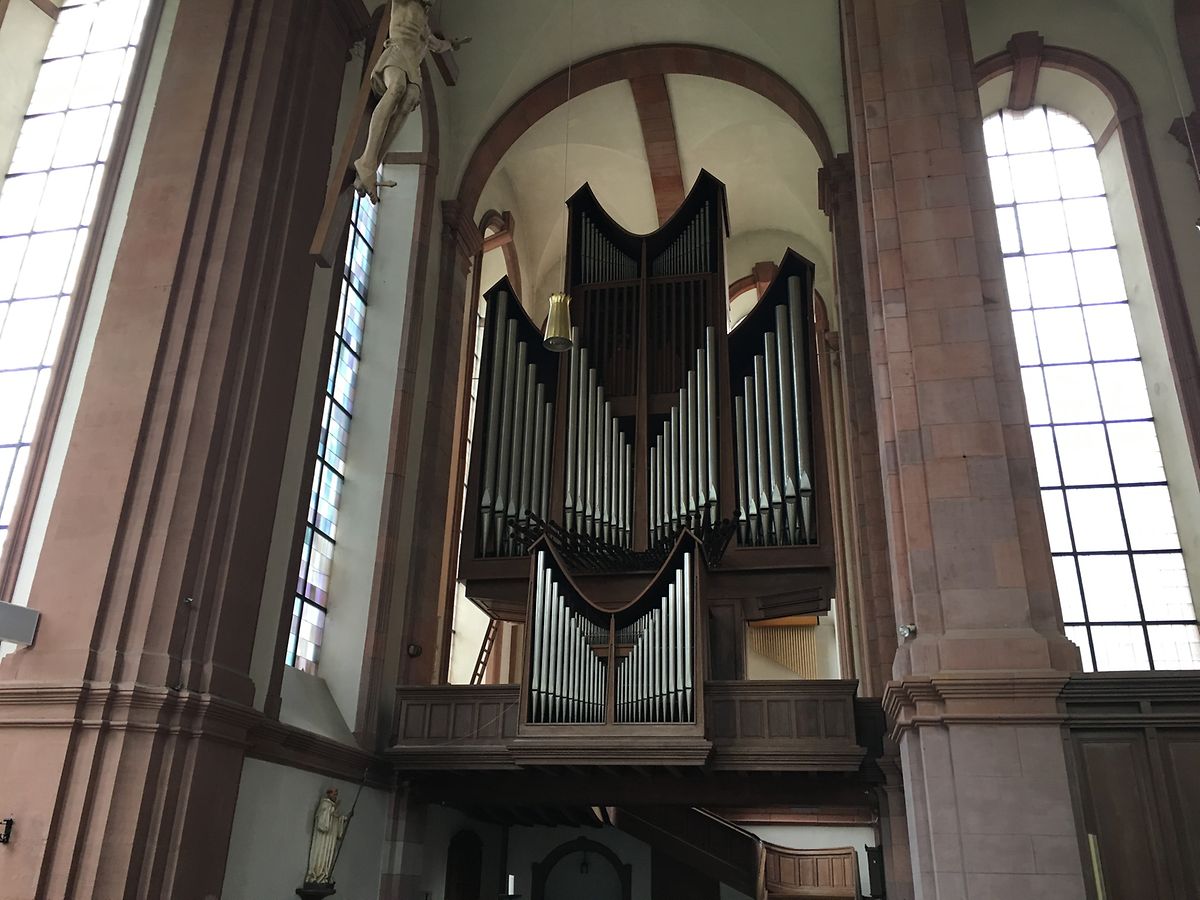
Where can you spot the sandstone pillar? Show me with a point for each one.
(123, 728)
(973, 700)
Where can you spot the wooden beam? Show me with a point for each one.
(662, 149)
(49, 7)
(1026, 49)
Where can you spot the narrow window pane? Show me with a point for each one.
(993, 137)
(1120, 647)
(1043, 227)
(1079, 636)
(1056, 522)
(19, 203)
(1100, 278)
(54, 85)
(1034, 177)
(1066, 131)
(1110, 332)
(1069, 598)
(1164, 585)
(1052, 280)
(1072, 391)
(1175, 646)
(1150, 518)
(1084, 454)
(1108, 586)
(1035, 396)
(64, 199)
(39, 137)
(44, 269)
(1079, 173)
(1046, 457)
(1088, 223)
(1027, 347)
(82, 135)
(1026, 131)
(1095, 520)
(1062, 336)
(1010, 240)
(1123, 390)
(1018, 282)
(1136, 452)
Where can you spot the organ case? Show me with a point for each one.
(659, 420)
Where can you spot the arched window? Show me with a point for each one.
(1121, 578)
(47, 205)
(311, 600)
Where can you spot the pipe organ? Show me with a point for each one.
(659, 423)
(773, 445)
(633, 665)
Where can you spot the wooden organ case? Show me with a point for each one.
(638, 499)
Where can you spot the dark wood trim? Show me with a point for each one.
(653, 104)
(1026, 51)
(81, 299)
(1179, 334)
(46, 6)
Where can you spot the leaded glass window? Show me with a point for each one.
(46, 208)
(1122, 584)
(311, 601)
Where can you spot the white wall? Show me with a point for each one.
(24, 32)
(441, 825)
(268, 846)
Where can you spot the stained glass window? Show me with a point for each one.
(1122, 584)
(46, 207)
(311, 601)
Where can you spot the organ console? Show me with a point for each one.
(606, 481)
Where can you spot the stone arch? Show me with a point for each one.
(620, 65)
(542, 870)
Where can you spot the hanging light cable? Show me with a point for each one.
(557, 334)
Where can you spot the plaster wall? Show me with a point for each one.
(441, 825)
(24, 33)
(272, 826)
(521, 43)
(91, 321)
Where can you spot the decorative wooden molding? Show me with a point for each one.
(662, 147)
(1026, 51)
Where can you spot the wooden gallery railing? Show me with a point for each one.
(627, 667)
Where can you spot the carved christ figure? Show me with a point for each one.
(328, 830)
(396, 79)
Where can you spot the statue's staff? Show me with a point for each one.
(350, 815)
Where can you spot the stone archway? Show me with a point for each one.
(543, 869)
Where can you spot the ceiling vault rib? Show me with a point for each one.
(662, 147)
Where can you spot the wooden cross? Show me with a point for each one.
(340, 193)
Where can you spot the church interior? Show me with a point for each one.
(575, 450)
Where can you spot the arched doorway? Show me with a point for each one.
(464, 867)
(582, 870)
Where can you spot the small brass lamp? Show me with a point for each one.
(557, 335)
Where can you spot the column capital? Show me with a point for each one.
(458, 225)
(993, 698)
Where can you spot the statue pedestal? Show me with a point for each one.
(315, 891)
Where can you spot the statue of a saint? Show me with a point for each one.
(396, 79)
(329, 827)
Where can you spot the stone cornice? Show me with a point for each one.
(989, 697)
(457, 224)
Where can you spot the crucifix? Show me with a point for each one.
(394, 78)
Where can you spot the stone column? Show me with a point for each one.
(123, 728)
(875, 620)
(973, 700)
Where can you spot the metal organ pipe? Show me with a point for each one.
(495, 392)
(800, 387)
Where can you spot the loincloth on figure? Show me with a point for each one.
(396, 56)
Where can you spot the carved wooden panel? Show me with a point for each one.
(485, 714)
(811, 873)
